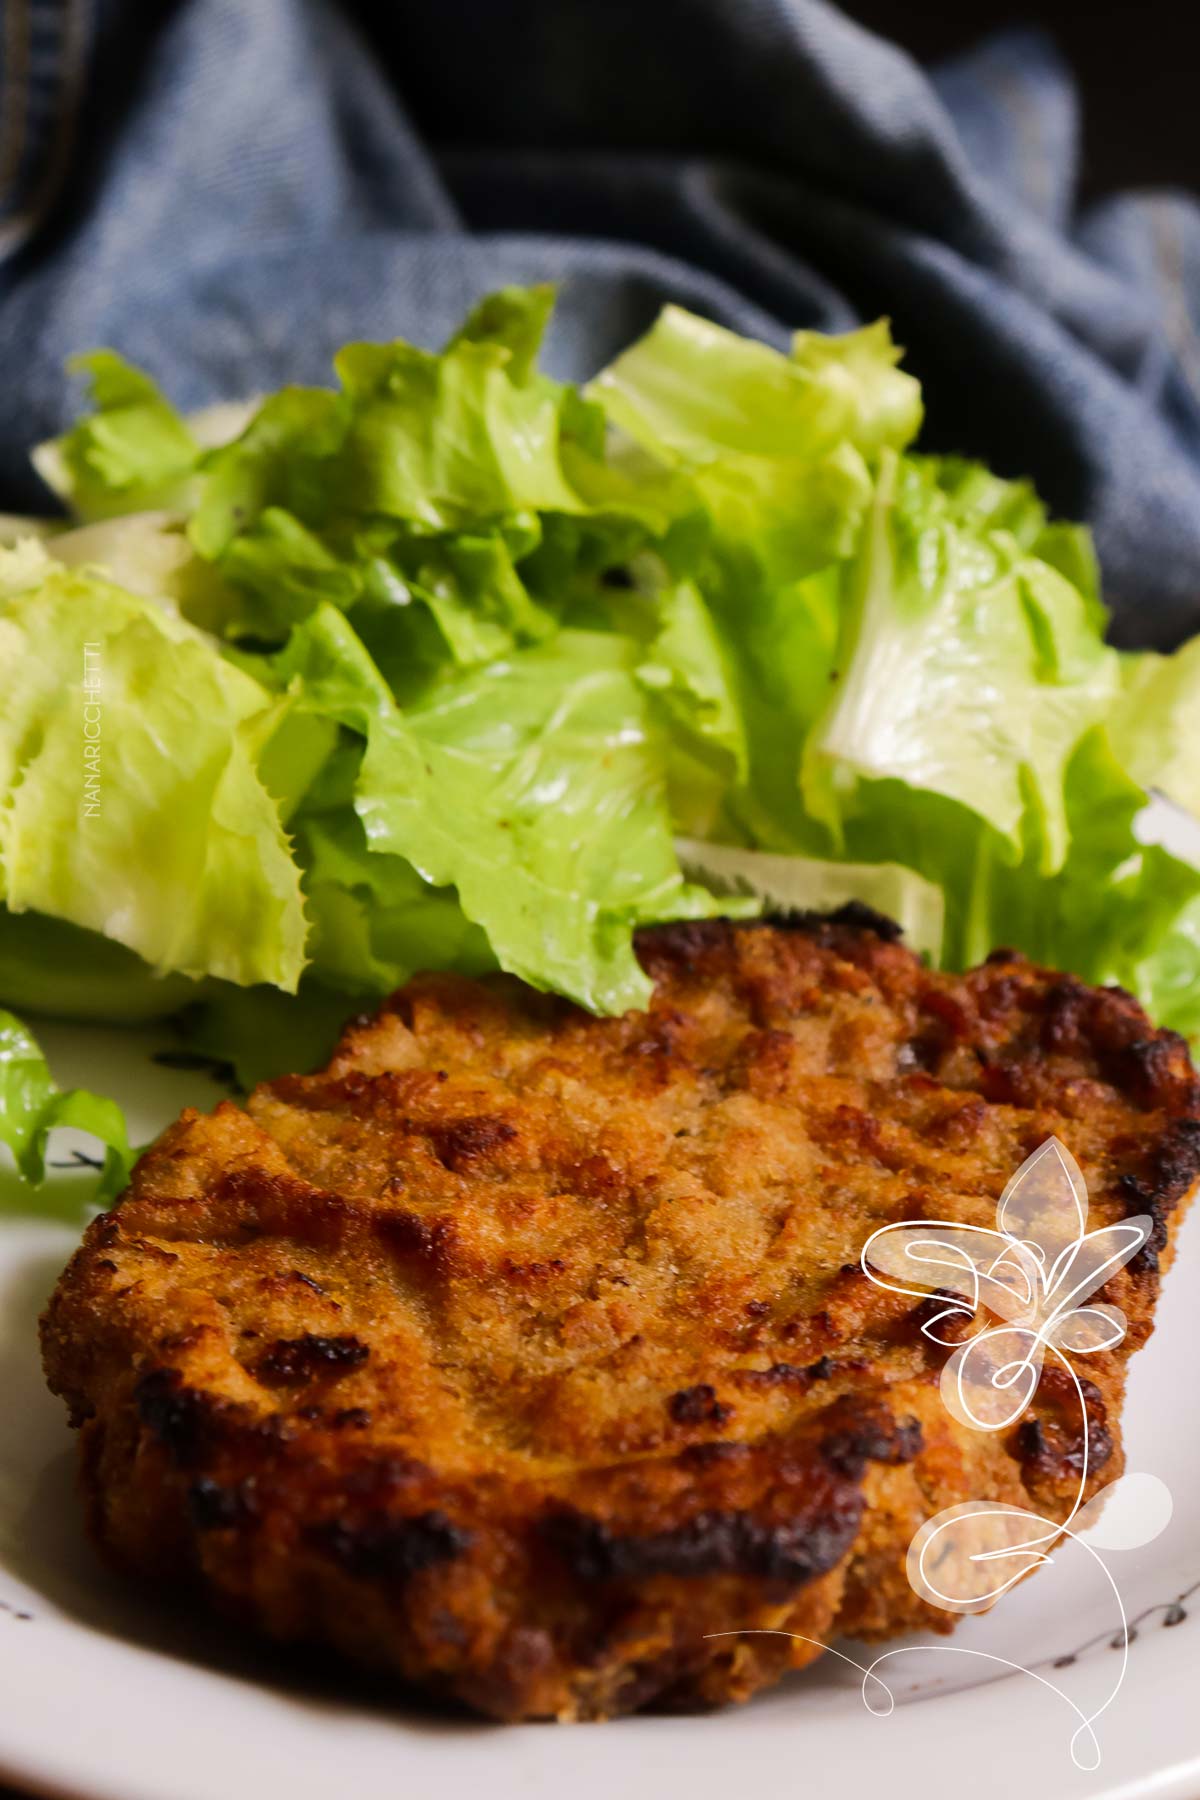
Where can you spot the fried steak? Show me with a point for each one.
(518, 1351)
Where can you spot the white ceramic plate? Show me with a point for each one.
(109, 1695)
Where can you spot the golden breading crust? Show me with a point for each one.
(518, 1350)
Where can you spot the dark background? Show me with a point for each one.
(1137, 64)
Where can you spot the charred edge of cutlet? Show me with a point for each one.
(193, 1426)
(712, 1543)
(685, 939)
(1174, 1168)
(179, 1417)
(1153, 1066)
(1053, 1443)
(221, 1506)
(190, 1426)
(854, 915)
(719, 1541)
(390, 1549)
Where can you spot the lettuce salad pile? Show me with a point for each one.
(453, 665)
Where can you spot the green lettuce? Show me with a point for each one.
(375, 921)
(49, 966)
(256, 1033)
(968, 670)
(778, 447)
(31, 1107)
(132, 453)
(1156, 723)
(454, 665)
(706, 394)
(783, 451)
(536, 790)
(981, 732)
(163, 837)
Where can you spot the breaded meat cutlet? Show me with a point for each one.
(518, 1351)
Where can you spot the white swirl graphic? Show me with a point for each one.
(1011, 1297)
(1032, 1274)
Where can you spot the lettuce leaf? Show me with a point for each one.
(976, 734)
(702, 392)
(50, 967)
(164, 839)
(967, 670)
(1156, 723)
(782, 450)
(375, 921)
(454, 665)
(258, 1033)
(32, 1106)
(131, 454)
(777, 447)
(536, 790)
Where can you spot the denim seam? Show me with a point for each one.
(45, 62)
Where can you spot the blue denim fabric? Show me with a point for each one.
(225, 190)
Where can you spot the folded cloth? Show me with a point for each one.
(226, 190)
